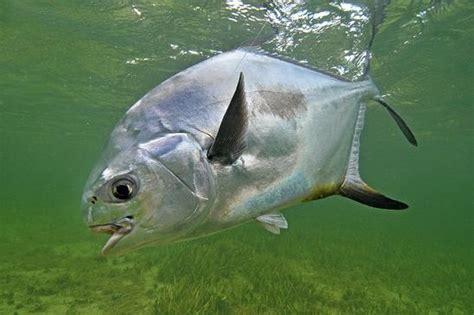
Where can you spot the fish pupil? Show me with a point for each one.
(122, 191)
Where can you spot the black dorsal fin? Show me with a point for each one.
(401, 124)
(230, 140)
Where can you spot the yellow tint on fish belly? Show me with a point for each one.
(321, 191)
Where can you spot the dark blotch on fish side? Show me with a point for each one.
(285, 105)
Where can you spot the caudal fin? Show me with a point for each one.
(361, 192)
(353, 186)
(400, 122)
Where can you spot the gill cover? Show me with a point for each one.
(185, 186)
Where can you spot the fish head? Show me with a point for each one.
(151, 193)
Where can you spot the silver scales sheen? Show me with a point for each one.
(233, 139)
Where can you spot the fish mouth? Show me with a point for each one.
(118, 229)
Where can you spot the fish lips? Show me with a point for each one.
(118, 229)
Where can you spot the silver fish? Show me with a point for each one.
(234, 139)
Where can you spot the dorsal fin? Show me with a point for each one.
(353, 186)
(230, 140)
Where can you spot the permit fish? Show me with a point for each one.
(236, 138)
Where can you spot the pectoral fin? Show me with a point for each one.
(273, 222)
(230, 140)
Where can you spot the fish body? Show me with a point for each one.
(236, 138)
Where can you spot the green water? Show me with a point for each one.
(70, 69)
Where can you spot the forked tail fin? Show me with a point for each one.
(353, 186)
(359, 191)
(400, 122)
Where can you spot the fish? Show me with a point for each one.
(236, 138)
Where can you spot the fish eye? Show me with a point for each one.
(124, 188)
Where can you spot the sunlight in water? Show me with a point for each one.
(297, 26)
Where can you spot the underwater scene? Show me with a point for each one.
(69, 70)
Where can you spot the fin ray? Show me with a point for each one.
(273, 222)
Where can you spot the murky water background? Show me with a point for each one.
(70, 69)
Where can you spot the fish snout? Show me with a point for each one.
(95, 211)
(123, 225)
(117, 229)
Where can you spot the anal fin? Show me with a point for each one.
(361, 192)
(273, 222)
